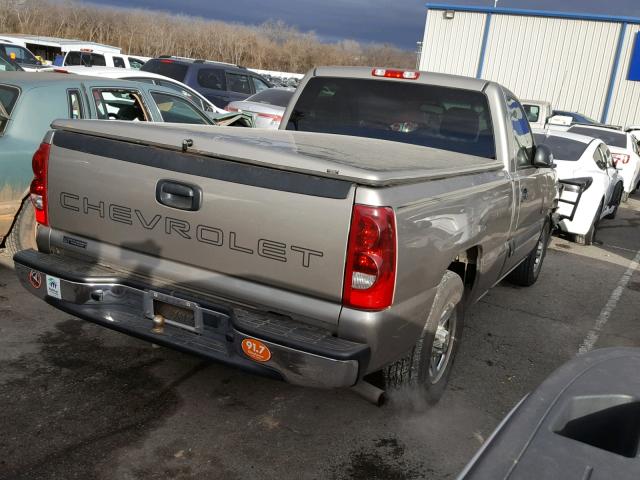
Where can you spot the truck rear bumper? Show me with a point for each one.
(299, 354)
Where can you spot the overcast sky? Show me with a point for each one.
(399, 22)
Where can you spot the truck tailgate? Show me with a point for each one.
(275, 227)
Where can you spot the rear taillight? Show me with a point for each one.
(622, 158)
(38, 190)
(389, 73)
(275, 119)
(370, 271)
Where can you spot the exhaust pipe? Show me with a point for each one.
(369, 392)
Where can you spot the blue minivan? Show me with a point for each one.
(220, 83)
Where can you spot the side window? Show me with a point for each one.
(175, 109)
(117, 104)
(259, 85)
(606, 154)
(97, 60)
(135, 63)
(75, 104)
(182, 91)
(521, 133)
(599, 159)
(212, 78)
(118, 62)
(238, 83)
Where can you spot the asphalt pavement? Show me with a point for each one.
(78, 401)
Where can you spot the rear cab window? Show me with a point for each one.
(86, 59)
(8, 98)
(432, 116)
(118, 62)
(120, 104)
(565, 149)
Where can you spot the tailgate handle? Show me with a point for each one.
(179, 195)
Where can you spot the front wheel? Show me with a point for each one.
(526, 274)
(23, 233)
(427, 368)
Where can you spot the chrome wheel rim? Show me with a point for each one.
(539, 252)
(443, 341)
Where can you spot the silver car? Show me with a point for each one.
(267, 106)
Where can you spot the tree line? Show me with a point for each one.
(270, 46)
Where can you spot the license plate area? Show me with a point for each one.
(176, 311)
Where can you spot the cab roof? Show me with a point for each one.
(426, 78)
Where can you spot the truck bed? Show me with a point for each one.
(361, 160)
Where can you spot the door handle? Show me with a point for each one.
(524, 194)
(182, 196)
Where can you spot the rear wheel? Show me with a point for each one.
(590, 236)
(617, 198)
(428, 367)
(526, 274)
(23, 233)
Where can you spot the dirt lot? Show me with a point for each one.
(80, 402)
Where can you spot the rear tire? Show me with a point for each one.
(617, 198)
(526, 274)
(427, 368)
(23, 233)
(590, 236)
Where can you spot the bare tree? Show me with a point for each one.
(270, 46)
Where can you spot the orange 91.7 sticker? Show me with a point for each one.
(256, 350)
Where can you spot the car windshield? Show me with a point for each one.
(562, 148)
(6, 66)
(8, 98)
(272, 96)
(18, 54)
(166, 67)
(610, 137)
(427, 115)
(577, 117)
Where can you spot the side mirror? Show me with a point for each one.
(543, 158)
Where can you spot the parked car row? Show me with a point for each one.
(601, 162)
(220, 83)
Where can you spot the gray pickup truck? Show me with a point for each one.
(347, 243)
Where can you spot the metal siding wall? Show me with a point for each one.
(566, 62)
(452, 46)
(625, 103)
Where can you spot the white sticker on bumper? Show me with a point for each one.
(53, 287)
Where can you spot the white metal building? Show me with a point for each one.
(581, 63)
